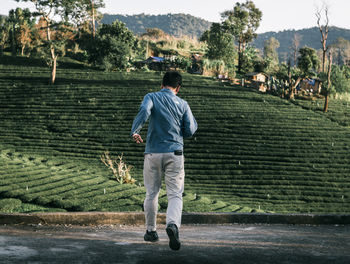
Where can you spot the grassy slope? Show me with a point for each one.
(251, 149)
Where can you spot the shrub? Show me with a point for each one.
(9, 205)
(122, 171)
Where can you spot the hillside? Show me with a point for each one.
(173, 24)
(252, 151)
(181, 24)
(310, 37)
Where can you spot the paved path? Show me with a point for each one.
(200, 244)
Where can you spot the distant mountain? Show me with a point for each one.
(310, 37)
(173, 24)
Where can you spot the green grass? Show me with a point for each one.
(251, 150)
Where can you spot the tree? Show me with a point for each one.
(48, 10)
(336, 80)
(250, 59)
(13, 21)
(270, 49)
(24, 23)
(242, 23)
(295, 47)
(324, 30)
(4, 33)
(113, 46)
(307, 63)
(220, 45)
(329, 83)
(342, 51)
(154, 33)
(85, 10)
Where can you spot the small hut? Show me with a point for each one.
(258, 80)
(311, 86)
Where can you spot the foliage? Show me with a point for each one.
(4, 33)
(220, 45)
(178, 25)
(48, 11)
(242, 23)
(113, 46)
(340, 82)
(308, 61)
(154, 33)
(250, 60)
(308, 37)
(342, 51)
(214, 67)
(270, 49)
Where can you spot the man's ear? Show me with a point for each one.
(178, 88)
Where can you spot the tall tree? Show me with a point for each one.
(4, 33)
(220, 44)
(342, 51)
(49, 10)
(112, 47)
(24, 25)
(307, 63)
(295, 47)
(242, 22)
(13, 23)
(270, 49)
(324, 30)
(86, 10)
(329, 83)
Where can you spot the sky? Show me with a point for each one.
(278, 15)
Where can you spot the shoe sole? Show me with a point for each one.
(151, 240)
(174, 243)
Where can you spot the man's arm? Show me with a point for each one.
(141, 118)
(189, 123)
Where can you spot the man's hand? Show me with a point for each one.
(137, 138)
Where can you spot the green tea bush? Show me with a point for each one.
(9, 205)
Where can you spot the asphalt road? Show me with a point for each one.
(200, 244)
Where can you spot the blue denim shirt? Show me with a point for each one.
(170, 121)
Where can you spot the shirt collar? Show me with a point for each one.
(167, 91)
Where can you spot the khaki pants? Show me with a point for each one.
(171, 166)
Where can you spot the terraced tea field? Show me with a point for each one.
(252, 151)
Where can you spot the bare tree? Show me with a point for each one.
(295, 47)
(324, 29)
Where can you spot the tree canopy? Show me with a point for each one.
(242, 23)
(308, 61)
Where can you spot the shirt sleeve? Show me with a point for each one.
(143, 115)
(189, 123)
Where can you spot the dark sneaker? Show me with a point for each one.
(151, 236)
(173, 234)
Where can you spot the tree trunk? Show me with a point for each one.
(291, 92)
(323, 59)
(53, 72)
(13, 40)
(240, 57)
(23, 47)
(93, 19)
(325, 108)
(326, 102)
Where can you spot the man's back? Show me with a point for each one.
(170, 120)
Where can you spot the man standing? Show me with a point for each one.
(170, 121)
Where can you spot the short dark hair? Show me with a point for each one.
(172, 79)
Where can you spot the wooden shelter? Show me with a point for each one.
(258, 80)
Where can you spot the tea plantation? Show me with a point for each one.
(252, 151)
